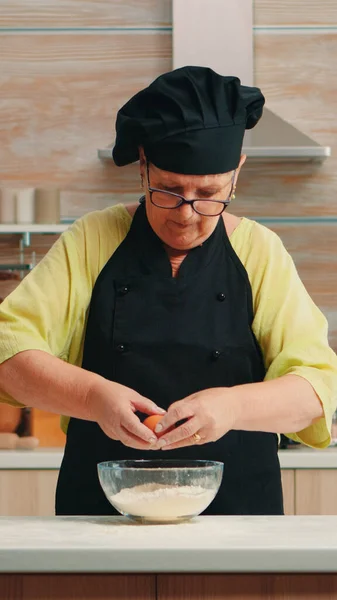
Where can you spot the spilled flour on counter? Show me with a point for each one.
(162, 502)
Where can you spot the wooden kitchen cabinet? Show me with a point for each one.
(245, 586)
(288, 486)
(83, 587)
(32, 492)
(316, 492)
(106, 586)
(27, 492)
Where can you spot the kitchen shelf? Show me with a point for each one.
(16, 267)
(25, 229)
(33, 228)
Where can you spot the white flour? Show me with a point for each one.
(162, 502)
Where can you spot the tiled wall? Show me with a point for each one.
(67, 66)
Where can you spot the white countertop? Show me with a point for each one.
(50, 458)
(204, 545)
(308, 458)
(40, 458)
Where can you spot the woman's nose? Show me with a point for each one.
(186, 210)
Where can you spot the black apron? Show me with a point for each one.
(166, 338)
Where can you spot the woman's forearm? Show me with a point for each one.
(284, 405)
(37, 379)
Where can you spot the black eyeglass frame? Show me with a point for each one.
(183, 200)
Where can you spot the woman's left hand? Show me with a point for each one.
(207, 416)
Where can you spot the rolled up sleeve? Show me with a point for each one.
(291, 330)
(44, 310)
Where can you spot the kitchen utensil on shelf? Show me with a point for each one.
(47, 205)
(25, 205)
(7, 206)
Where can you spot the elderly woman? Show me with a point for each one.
(173, 307)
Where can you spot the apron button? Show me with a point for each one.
(216, 354)
(221, 297)
(121, 348)
(123, 290)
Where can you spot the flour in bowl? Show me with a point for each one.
(162, 502)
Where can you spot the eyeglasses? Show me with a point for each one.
(170, 200)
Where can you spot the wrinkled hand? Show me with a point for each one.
(113, 407)
(210, 413)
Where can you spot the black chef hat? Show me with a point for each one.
(190, 120)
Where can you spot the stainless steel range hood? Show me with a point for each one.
(219, 34)
(275, 140)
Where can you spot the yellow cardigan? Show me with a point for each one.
(48, 310)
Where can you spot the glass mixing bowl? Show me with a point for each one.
(160, 491)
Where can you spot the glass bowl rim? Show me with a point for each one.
(163, 464)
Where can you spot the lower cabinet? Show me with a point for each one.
(244, 586)
(316, 492)
(27, 492)
(102, 586)
(310, 491)
(237, 586)
(288, 486)
(32, 492)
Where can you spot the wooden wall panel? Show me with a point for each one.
(304, 92)
(287, 190)
(126, 189)
(60, 95)
(299, 12)
(312, 246)
(151, 13)
(10, 253)
(86, 13)
(58, 145)
(301, 90)
(62, 84)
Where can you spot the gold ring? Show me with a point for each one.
(196, 437)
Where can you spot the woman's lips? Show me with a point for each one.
(180, 225)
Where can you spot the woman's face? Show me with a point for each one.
(182, 228)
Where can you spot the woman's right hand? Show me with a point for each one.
(113, 407)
